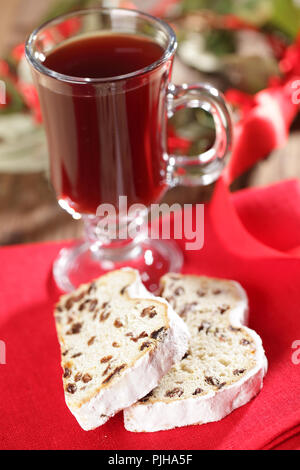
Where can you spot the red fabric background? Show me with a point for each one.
(32, 409)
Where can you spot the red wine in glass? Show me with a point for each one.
(106, 145)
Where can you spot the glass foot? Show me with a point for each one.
(84, 262)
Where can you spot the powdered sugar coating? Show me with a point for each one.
(152, 354)
(184, 398)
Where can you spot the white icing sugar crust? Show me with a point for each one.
(146, 373)
(163, 415)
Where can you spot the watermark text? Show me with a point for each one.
(159, 221)
(2, 352)
(2, 92)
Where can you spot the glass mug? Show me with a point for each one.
(107, 138)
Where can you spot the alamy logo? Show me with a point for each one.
(2, 352)
(296, 94)
(296, 353)
(188, 223)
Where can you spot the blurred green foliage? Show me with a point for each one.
(286, 16)
(220, 41)
(282, 14)
(62, 7)
(254, 11)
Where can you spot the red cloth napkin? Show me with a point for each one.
(32, 409)
(272, 214)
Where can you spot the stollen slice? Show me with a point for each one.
(117, 341)
(223, 368)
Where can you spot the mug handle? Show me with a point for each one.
(210, 163)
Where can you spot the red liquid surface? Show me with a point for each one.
(105, 142)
